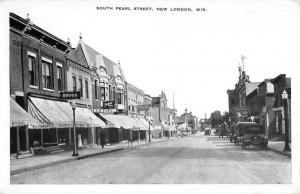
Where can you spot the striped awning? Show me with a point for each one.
(120, 121)
(59, 114)
(19, 117)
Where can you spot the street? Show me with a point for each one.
(193, 159)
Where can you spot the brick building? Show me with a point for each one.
(281, 83)
(265, 106)
(38, 74)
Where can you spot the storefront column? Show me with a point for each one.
(18, 140)
(56, 131)
(27, 138)
(139, 136)
(42, 138)
(70, 135)
(93, 135)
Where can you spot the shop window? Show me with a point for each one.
(81, 87)
(59, 78)
(74, 83)
(47, 74)
(32, 70)
(87, 89)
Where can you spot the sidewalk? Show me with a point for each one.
(18, 166)
(278, 147)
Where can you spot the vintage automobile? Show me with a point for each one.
(207, 131)
(248, 133)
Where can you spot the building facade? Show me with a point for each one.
(37, 71)
(239, 110)
(281, 83)
(265, 106)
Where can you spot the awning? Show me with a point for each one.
(120, 121)
(146, 123)
(60, 114)
(131, 103)
(19, 117)
(172, 128)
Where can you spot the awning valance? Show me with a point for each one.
(19, 117)
(60, 114)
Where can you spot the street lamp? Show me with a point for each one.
(284, 97)
(75, 152)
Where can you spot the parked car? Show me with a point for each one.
(248, 133)
(213, 131)
(207, 131)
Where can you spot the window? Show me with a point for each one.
(86, 89)
(32, 70)
(110, 92)
(74, 83)
(119, 98)
(59, 78)
(102, 93)
(96, 91)
(47, 73)
(81, 87)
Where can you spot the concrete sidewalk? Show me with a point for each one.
(278, 147)
(18, 166)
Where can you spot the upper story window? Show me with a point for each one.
(47, 73)
(59, 77)
(119, 97)
(74, 83)
(81, 87)
(32, 68)
(96, 89)
(87, 89)
(102, 93)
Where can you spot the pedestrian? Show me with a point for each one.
(130, 137)
(102, 139)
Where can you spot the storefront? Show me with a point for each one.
(59, 115)
(20, 122)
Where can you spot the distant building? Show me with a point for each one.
(238, 107)
(135, 98)
(160, 115)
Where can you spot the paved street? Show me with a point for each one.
(193, 159)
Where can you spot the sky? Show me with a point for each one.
(193, 55)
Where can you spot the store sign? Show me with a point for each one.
(108, 104)
(104, 110)
(70, 95)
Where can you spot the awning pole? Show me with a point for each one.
(56, 133)
(18, 141)
(27, 138)
(70, 135)
(42, 138)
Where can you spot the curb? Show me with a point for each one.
(280, 152)
(32, 168)
(40, 166)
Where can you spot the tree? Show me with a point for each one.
(216, 118)
(225, 117)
